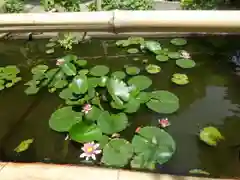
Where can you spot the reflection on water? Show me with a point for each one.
(212, 98)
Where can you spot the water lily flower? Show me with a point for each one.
(90, 150)
(138, 129)
(86, 108)
(185, 54)
(60, 62)
(164, 122)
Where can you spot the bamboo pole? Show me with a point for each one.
(123, 21)
(40, 171)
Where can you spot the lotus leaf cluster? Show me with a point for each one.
(9, 76)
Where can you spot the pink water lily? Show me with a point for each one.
(60, 62)
(164, 122)
(138, 129)
(86, 108)
(185, 54)
(90, 150)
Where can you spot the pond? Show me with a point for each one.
(148, 116)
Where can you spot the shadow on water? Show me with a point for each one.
(212, 98)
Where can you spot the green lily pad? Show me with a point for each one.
(66, 94)
(135, 40)
(132, 70)
(118, 90)
(163, 102)
(50, 51)
(94, 114)
(180, 79)
(82, 132)
(50, 44)
(103, 141)
(132, 106)
(174, 55)
(179, 41)
(64, 118)
(211, 136)
(24, 145)
(199, 171)
(39, 69)
(83, 71)
(113, 123)
(119, 75)
(145, 61)
(153, 145)
(31, 90)
(143, 97)
(93, 82)
(139, 162)
(153, 69)
(117, 153)
(162, 58)
(81, 62)
(79, 84)
(136, 59)
(99, 70)
(140, 82)
(132, 50)
(123, 43)
(185, 63)
(68, 68)
(152, 46)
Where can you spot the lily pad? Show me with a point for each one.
(50, 44)
(50, 51)
(68, 68)
(174, 55)
(82, 132)
(123, 43)
(39, 69)
(179, 41)
(185, 63)
(139, 162)
(199, 171)
(132, 50)
(180, 79)
(154, 145)
(99, 70)
(24, 145)
(79, 84)
(163, 102)
(119, 75)
(135, 40)
(132, 106)
(152, 46)
(211, 136)
(140, 82)
(117, 153)
(162, 58)
(64, 118)
(94, 114)
(132, 70)
(83, 71)
(81, 62)
(113, 123)
(153, 69)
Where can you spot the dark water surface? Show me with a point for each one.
(212, 98)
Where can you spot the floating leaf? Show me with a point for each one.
(143, 97)
(39, 69)
(94, 114)
(24, 145)
(66, 94)
(113, 123)
(153, 144)
(93, 82)
(83, 71)
(145, 61)
(211, 136)
(82, 132)
(180, 79)
(199, 171)
(185, 63)
(132, 106)
(99, 70)
(153, 69)
(139, 162)
(132, 50)
(135, 40)
(79, 84)
(118, 90)
(132, 70)
(152, 45)
(179, 41)
(68, 68)
(140, 82)
(162, 58)
(103, 141)
(163, 102)
(174, 55)
(64, 118)
(123, 43)
(119, 75)
(50, 51)
(81, 62)
(51, 44)
(117, 153)
(31, 90)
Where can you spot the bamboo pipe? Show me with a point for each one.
(124, 21)
(40, 171)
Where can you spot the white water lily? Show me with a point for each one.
(60, 62)
(185, 54)
(90, 150)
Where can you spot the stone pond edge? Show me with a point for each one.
(41, 171)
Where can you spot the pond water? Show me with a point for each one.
(210, 99)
